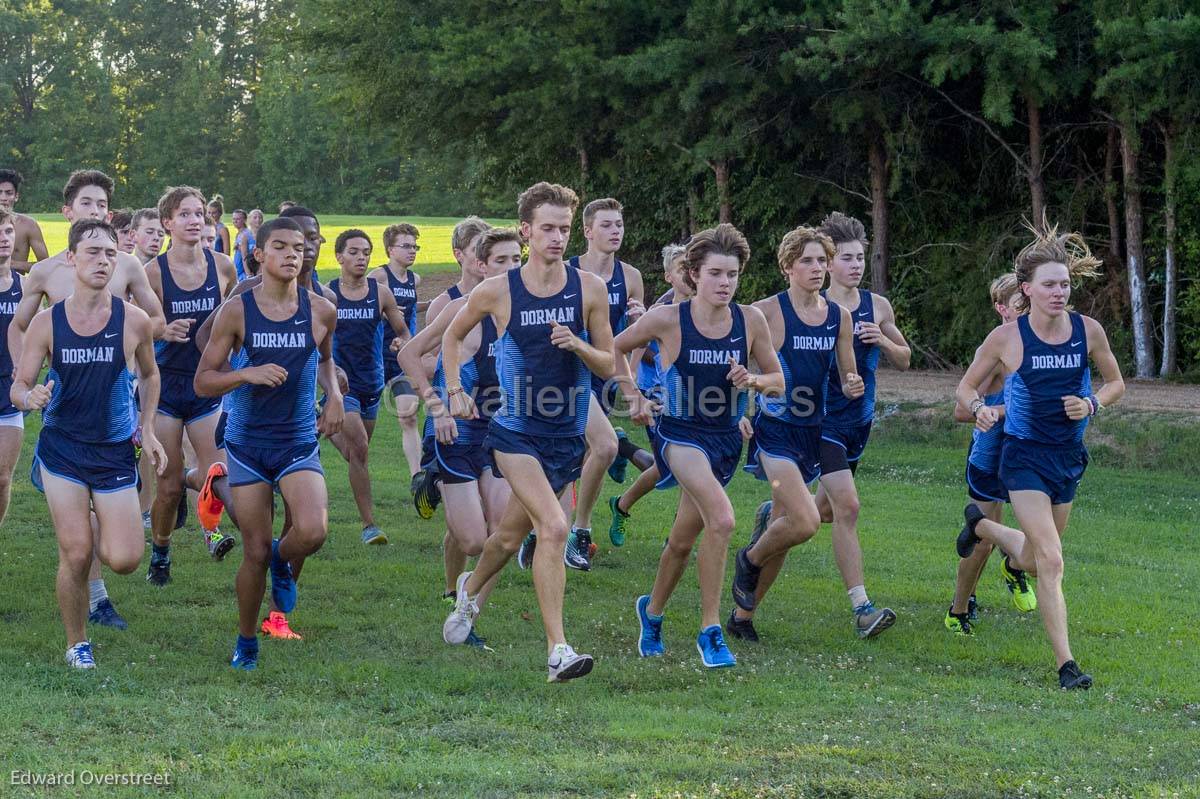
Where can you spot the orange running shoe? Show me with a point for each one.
(209, 506)
(275, 625)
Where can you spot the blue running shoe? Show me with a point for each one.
(577, 554)
(478, 642)
(617, 471)
(762, 518)
(80, 656)
(106, 615)
(245, 655)
(711, 646)
(525, 553)
(650, 643)
(373, 536)
(283, 585)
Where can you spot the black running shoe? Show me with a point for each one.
(426, 494)
(967, 539)
(1071, 677)
(181, 512)
(159, 572)
(745, 580)
(577, 554)
(741, 629)
(972, 609)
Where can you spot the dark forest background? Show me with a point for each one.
(940, 124)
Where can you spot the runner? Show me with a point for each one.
(12, 420)
(216, 209)
(147, 232)
(122, 222)
(29, 234)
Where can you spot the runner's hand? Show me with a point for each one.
(178, 330)
(462, 406)
(445, 429)
(985, 418)
(1077, 408)
(634, 310)
(39, 396)
(269, 374)
(852, 385)
(332, 416)
(562, 337)
(869, 333)
(746, 428)
(739, 375)
(158, 453)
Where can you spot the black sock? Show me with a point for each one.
(627, 449)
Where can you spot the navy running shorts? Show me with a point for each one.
(251, 464)
(850, 440)
(178, 399)
(461, 462)
(102, 468)
(219, 433)
(364, 404)
(985, 486)
(561, 457)
(800, 444)
(722, 448)
(1053, 469)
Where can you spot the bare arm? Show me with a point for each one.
(1102, 355)
(597, 352)
(988, 358)
(24, 394)
(427, 341)
(890, 340)
(214, 378)
(33, 290)
(394, 316)
(769, 380)
(149, 380)
(652, 326)
(334, 412)
(226, 273)
(138, 286)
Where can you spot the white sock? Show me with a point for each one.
(97, 593)
(858, 597)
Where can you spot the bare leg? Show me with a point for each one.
(169, 486)
(352, 443)
(10, 450)
(406, 413)
(970, 568)
(642, 486)
(602, 449)
(71, 515)
(842, 498)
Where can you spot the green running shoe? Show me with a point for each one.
(616, 530)
(958, 623)
(1023, 596)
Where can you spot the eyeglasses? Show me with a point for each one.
(409, 247)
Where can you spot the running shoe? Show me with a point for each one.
(650, 643)
(577, 554)
(958, 623)
(525, 553)
(275, 625)
(617, 470)
(972, 608)
(181, 511)
(80, 656)
(616, 530)
(966, 538)
(711, 646)
(477, 642)
(742, 629)
(869, 622)
(1023, 595)
(209, 506)
(565, 664)
(219, 545)
(448, 597)
(426, 494)
(416, 481)
(283, 585)
(374, 536)
(458, 625)
(745, 580)
(146, 519)
(159, 572)
(106, 616)
(762, 518)
(1070, 677)
(245, 659)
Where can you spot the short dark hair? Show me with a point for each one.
(298, 210)
(85, 226)
(82, 178)
(489, 238)
(143, 214)
(12, 176)
(278, 223)
(122, 218)
(339, 244)
(393, 232)
(724, 239)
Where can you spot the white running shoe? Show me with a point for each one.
(80, 656)
(457, 627)
(565, 664)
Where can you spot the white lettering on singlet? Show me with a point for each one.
(819, 343)
(86, 354)
(544, 316)
(278, 340)
(356, 313)
(614, 298)
(8, 308)
(1068, 361)
(182, 307)
(712, 357)
(404, 293)
(491, 349)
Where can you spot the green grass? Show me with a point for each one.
(436, 254)
(372, 703)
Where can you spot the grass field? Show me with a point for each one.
(435, 255)
(372, 703)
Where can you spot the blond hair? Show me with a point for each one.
(1051, 247)
(1004, 287)
(793, 244)
(466, 230)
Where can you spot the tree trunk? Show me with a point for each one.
(724, 207)
(584, 168)
(880, 177)
(1172, 269)
(1110, 196)
(1143, 340)
(1037, 188)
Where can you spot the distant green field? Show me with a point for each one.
(435, 256)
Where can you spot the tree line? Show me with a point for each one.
(941, 124)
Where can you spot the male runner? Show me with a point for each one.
(190, 282)
(12, 420)
(813, 338)
(706, 344)
(1048, 402)
(122, 222)
(221, 241)
(362, 308)
(552, 323)
(400, 244)
(239, 242)
(29, 233)
(86, 195)
(209, 238)
(84, 460)
(984, 486)
(147, 232)
(604, 229)
(285, 334)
